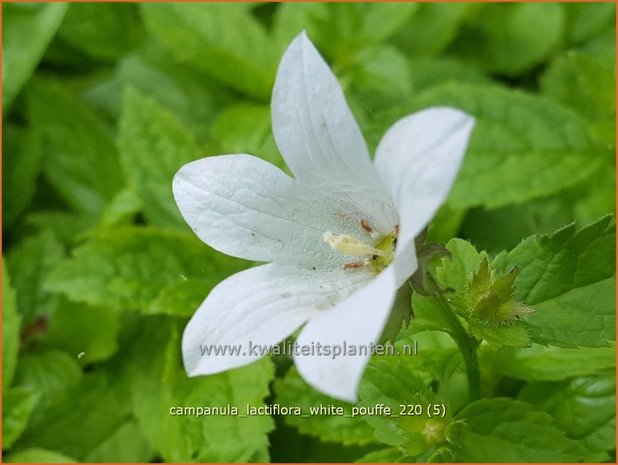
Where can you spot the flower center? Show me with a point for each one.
(378, 256)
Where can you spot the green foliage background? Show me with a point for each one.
(102, 103)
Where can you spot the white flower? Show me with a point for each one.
(339, 236)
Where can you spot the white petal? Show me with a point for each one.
(248, 208)
(357, 321)
(318, 135)
(419, 158)
(260, 306)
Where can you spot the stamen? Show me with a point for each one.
(349, 245)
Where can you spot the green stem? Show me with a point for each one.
(467, 345)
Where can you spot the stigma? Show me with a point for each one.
(349, 245)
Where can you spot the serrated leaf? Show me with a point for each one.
(18, 403)
(27, 31)
(569, 278)
(29, 264)
(522, 146)
(81, 160)
(224, 41)
(125, 444)
(153, 147)
(585, 408)
(540, 363)
(11, 322)
(292, 391)
(506, 430)
(137, 268)
(158, 384)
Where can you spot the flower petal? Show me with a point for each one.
(357, 321)
(248, 208)
(318, 135)
(259, 307)
(419, 158)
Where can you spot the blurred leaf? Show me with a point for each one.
(133, 268)
(510, 39)
(160, 384)
(432, 28)
(126, 444)
(50, 374)
(387, 455)
(103, 31)
(540, 363)
(18, 404)
(192, 97)
(10, 329)
(245, 128)
(67, 227)
(80, 161)
(79, 328)
(21, 165)
(509, 431)
(29, 264)
(292, 391)
(222, 40)
(36, 455)
(429, 72)
(585, 408)
(84, 416)
(381, 77)
(153, 146)
(122, 209)
(569, 278)
(522, 146)
(586, 20)
(341, 30)
(582, 83)
(28, 29)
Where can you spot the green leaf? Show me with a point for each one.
(292, 391)
(21, 165)
(10, 329)
(50, 374)
(506, 430)
(27, 31)
(29, 264)
(387, 455)
(153, 146)
(245, 128)
(511, 39)
(583, 83)
(159, 384)
(540, 363)
(522, 146)
(103, 31)
(585, 408)
(139, 268)
(188, 93)
(432, 28)
(125, 444)
(585, 21)
(429, 72)
(18, 404)
(82, 418)
(87, 332)
(81, 161)
(36, 455)
(569, 278)
(341, 30)
(224, 41)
